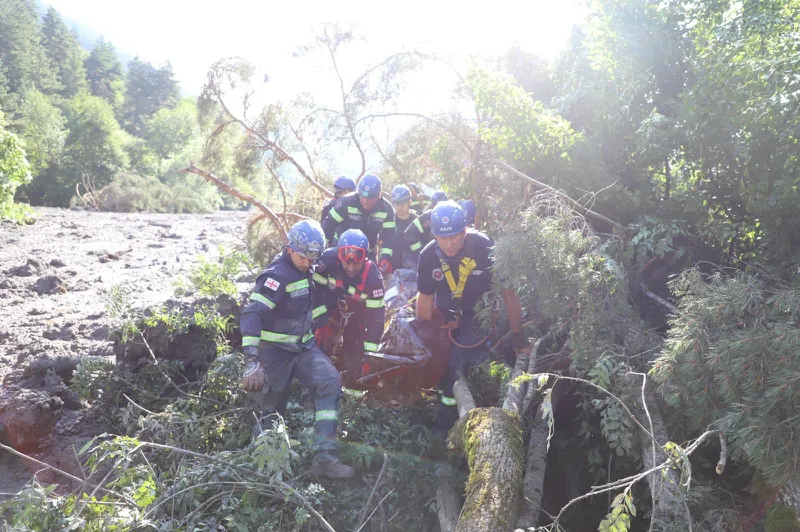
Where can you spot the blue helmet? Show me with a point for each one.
(307, 238)
(344, 183)
(469, 207)
(448, 218)
(401, 194)
(439, 195)
(355, 238)
(369, 186)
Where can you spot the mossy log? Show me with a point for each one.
(492, 441)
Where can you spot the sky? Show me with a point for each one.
(268, 33)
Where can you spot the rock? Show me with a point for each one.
(36, 312)
(57, 263)
(49, 284)
(8, 284)
(101, 333)
(27, 416)
(4, 334)
(30, 268)
(62, 333)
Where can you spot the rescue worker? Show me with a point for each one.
(469, 208)
(455, 271)
(417, 197)
(367, 211)
(349, 281)
(418, 234)
(404, 216)
(343, 185)
(278, 343)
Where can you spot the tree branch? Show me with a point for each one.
(283, 486)
(572, 203)
(282, 154)
(193, 169)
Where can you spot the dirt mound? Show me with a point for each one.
(56, 279)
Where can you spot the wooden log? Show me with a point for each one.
(493, 445)
(535, 468)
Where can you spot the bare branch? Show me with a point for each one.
(282, 154)
(280, 185)
(192, 169)
(572, 203)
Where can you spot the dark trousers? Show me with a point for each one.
(314, 370)
(461, 360)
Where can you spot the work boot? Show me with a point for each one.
(329, 466)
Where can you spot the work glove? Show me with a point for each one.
(254, 377)
(520, 344)
(385, 266)
(324, 337)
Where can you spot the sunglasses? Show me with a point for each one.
(351, 254)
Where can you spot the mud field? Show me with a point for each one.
(56, 280)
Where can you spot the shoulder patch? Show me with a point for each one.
(338, 204)
(377, 293)
(437, 274)
(272, 284)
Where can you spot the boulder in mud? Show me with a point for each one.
(27, 417)
(8, 284)
(50, 284)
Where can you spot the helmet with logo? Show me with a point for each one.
(448, 218)
(352, 246)
(307, 238)
(439, 195)
(401, 194)
(369, 186)
(469, 207)
(344, 183)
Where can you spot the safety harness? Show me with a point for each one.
(465, 268)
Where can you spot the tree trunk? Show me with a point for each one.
(448, 505)
(535, 468)
(493, 445)
(669, 510)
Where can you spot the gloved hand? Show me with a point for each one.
(324, 337)
(385, 266)
(254, 377)
(520, 344)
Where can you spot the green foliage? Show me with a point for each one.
(212, 278)
(65, 53)
(94, 151)
(148, 89)
(104, 73)
(14, 171)
(781, 518)
(21, 52)
(619, 519)
(519, 126)
(170, 130)
(43, 130)
(729, 361)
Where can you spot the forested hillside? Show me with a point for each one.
(86, 121)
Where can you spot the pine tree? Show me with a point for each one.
(21, 51)
(731, 361)
(65, 54)
(148, 89)
(104, 73)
